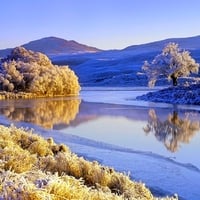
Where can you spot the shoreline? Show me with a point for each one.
(20, 144)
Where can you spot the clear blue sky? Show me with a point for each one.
(106, 24)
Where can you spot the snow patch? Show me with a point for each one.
(175, 95)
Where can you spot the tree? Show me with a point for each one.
(171, 63)
(32, 72)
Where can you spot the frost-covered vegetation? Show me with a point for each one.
(171, 63)
(25, 73)
(34, 168)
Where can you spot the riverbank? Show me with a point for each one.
(186, 95)
(36, 168)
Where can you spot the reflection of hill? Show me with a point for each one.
(42, 112)
(173, 131)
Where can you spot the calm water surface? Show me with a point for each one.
(168, 130)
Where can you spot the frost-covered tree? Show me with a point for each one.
(33, 72)
(171, 63)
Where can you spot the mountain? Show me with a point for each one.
(108, 68)
(55, 46)
(189, 43)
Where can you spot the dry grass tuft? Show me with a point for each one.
(33, 168)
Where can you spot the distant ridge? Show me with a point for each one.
(189, 43)
(57, 46)
(54, 45)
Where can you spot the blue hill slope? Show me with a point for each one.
(122, 67)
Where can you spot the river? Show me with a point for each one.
(112, 118)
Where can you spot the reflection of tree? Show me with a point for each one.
(45, 113)
(172, 131)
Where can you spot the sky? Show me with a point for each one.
(105, 24)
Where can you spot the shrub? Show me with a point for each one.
(54, 172)
(33, 72)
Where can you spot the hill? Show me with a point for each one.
(54, 45)
(189, 43)
(108, 68)
(121, 67)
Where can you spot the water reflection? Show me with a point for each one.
(172, 131)
(171, 128)
(42, 112)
